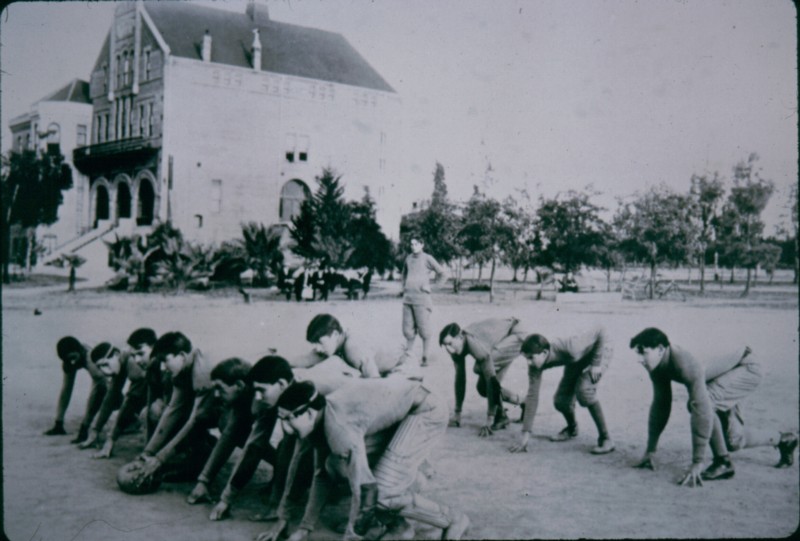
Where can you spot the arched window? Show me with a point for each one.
(293, 194)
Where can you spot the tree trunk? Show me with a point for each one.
(747, 283)
(732, 269)
(702, 274)
(525, 275)
(514, 278)
(71, 286)
(29, 238)
(652, 279)
(491, 283)
(608, 279)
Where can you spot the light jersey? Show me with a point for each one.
(328, 375)
(366, 406)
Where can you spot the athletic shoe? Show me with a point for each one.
(457, 528)
(501, 420)
(720, 468)
(83, 433)
(604, 446)
(567, 433)
(57, 430)
(786, 447)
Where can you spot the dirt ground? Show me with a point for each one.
(53, 491)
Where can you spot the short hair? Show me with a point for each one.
(416, 238)
(171, 343)
(67, 345)
(301, 394)
(231, 370)
(451, 329)
(270, 369)
(535, 344)
(322, 325)
(141, 337)
(101, 351)
(650, 338)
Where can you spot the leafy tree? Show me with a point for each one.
(320, 231)
(707, 194)
(656, 227)
(32, 186)
(571, 229)
(261, 251)
(519, 250)
(741, 226)
(792, 250)
(371, 248)
(484, 232)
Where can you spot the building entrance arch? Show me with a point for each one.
(123, 201)
(101, 204)
(145, 209)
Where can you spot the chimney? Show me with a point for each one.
(258, 13)
(256, 50)
(206, 52)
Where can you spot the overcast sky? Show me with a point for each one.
(555, 94)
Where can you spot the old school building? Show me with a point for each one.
(208, 118)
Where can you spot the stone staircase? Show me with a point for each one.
(91, 246)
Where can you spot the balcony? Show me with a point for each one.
(130, 152)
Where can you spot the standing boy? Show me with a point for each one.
(417, 302)
(715, 390)
(494, 344)
(75, 356)
(585, 359)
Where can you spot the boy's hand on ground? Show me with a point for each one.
(692, 477)
(199, 494)
(91, 441)
(269, 516)
(274, 533)
(646, 463)
(300, 535)
(522, 446)
(219, 511)
(485, 431)
(105, 452)
(151, 465)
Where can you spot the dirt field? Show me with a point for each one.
(53, 491)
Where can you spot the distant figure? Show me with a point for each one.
(715, 390)
(417, 302)
(568, 284)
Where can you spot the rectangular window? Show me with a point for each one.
(150, 121)
(216, 195)
(106, 127)
(302, 148)
(105, 78)
(143, 120)
(146, 64)
(119, 71)
(81, 135)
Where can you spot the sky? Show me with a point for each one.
(545, 95)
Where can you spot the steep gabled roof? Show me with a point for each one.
(76, 91)
(286, 48)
